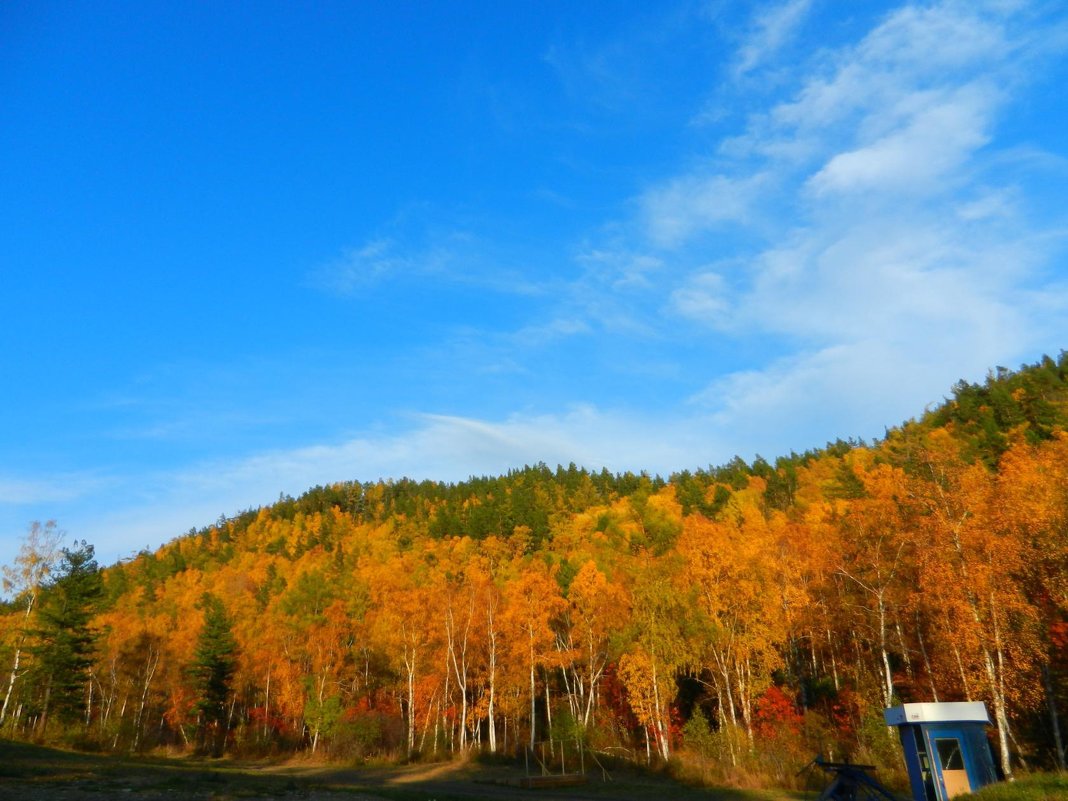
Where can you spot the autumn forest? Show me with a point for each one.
(737, 620)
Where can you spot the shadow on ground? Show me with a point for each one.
(35, 773)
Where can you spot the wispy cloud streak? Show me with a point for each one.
(869, 221)
(772, 28)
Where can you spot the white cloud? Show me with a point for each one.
(896, 255)
(859, 95)
(852, 389)
(902, 111)
(619, 268)
(936, 138)
(424, 245)
(912, 49)
(845, 390)
(934, 39)
(693, 204)
(552, 331)
(988, 205)
(437, 447)
(891, 277)
(364, 266)
(22, 491)
(705, 298)
(871, 225)
(772, 28)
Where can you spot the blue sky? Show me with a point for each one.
(248, 248)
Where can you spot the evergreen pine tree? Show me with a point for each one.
(66, 644)
(214, 662)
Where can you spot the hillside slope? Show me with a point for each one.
(749, 614)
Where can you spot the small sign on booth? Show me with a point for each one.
(945, 745)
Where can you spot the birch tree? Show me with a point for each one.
(35, 560)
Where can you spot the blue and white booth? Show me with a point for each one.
(945, 745)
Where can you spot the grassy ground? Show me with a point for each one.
(33, 773)
(1039, 787)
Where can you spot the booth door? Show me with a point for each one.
(949, 749)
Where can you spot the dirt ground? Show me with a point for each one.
(31, 773)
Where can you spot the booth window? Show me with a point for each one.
(949, 754)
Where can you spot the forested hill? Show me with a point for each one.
(982, 418)
(741, 617)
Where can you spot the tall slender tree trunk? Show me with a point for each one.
(267, 703)
(665, 748)
(533, 696)
(745, 698)
(571, 690)
(998, 686)
(926, 660)
(492, 633)
(956, 655)
(490, 711)
(446, 724)
(858, 652)
(903, 646)
(225, 734)
(17, 661)
(409, 663)
(1001, 717)
(549, 716)
(834, 660)
(151, 662)
(109, 699)
(10, 684)
(1054, 719)
(723, 662)
(426, 722)
(724, 727)
(888, 676)
(43, 720)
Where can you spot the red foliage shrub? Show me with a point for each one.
(776, 713)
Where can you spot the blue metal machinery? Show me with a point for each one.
(945, 745)
(850, 783)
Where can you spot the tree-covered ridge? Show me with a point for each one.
(751, 614)
(1033, 399)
